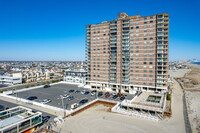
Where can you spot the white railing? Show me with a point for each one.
(133, 113)
(142, 106)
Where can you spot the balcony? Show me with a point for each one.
(125, 29)
(113, 30)
(125, 25)
(113, 23)
(125, 21)
(113, 27)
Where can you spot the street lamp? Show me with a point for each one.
(63, 105)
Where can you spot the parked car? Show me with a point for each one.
(70, 91)
(114, 93)
(70, 98)
(45, 101)
(31, 98)
(2, 108)
(122, 98)
(83, 92)
(108, 95)
(93, 92)
(115, 96)
(77, 91)
(100, 94)
(86, 92)
(47, 86)
(83, 101)
(120, 95)
(74, 106)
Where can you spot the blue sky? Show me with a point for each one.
(54, 30)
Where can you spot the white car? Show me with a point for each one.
(45, 101)
(83, 92)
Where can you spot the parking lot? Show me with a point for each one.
(54, 94)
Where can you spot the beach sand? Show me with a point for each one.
(191, 85)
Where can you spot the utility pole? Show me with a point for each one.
(16, 95)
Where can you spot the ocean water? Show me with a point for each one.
(198, 63)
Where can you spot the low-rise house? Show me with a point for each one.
(77, 76)
(10, 78)
(35, 76)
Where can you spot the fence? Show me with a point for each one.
(117, 109)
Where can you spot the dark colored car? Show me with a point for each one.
(31, 98)
(77, 91)
(47, 86)
(70, 98)
(108, 95)
(83, 101)
(122, 98)
(115, 96)
(2, 108)
(120, 95)
(100, 94)
(87, 92)
(70, 91)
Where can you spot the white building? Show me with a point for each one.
(11, 78)
(78, 76)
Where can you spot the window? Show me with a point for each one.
(145, 38)
(137, 27)
(151, 21)
(145, 18)
(137, 30)
(150, 29)
(145, 26)
(151, 17)
(131, 27)
(145, 22)
(145, 30)
(151, 38)
(151, 25)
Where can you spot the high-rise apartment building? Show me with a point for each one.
(128, 54)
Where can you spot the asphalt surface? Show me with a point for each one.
(53, 93)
